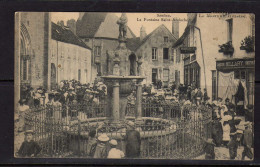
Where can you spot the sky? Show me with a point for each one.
(132, 20)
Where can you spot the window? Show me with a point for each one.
(154, 54)
(229, 29)
(25, 68)
(98, 70)
(186, 75)
(240, 74)
(165, 53)
(237, 75)
(243, 75)
(97, 51)
(173, 54)
(178, 57)
(214, 85)
(166, 39)
(165, 75)
(154, 75)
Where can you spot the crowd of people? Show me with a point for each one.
(65, 92)
(228, 130)
(101, 146)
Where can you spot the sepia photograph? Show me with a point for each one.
(176, 86)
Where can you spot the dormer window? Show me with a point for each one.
(166, 39)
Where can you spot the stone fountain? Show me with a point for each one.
(124, 75)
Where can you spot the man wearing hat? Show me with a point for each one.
(114, 152)
(102, 148)
(133, 141)
(247, 141)
(29, 148)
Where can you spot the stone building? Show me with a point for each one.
(100, 32)
(32, 40)
(214, 58)
(37, 44)
(157, 54)
(70, 56)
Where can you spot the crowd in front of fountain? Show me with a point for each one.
(227, 129)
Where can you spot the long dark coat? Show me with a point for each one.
(217, 132)
(27, 149)
(247, 142)
(210, 151)
(232, 146)
(133, 142)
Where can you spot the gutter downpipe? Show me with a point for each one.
(202, 55)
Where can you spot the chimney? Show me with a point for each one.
(72, 25)
(175, 28)
(61, 23)
(142, 33)
(81, 14)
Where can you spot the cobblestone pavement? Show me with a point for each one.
(222, 153)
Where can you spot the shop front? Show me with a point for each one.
(235, 80)
(191, 72)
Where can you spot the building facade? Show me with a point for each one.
(70, 56)
(32, 40)
(157, 53)
(37, 44)
(99, 31)
(214, 58)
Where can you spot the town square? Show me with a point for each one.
(134, 85)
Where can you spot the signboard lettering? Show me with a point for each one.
(235, 64)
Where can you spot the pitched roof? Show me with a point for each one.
(191, 22)
(99, 24)
(89, 24)
(140, 43)
(64, 34)
(133, 43)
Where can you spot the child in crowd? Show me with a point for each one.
(29, 148)
(92, 143)
(101, 148)
(114, 152)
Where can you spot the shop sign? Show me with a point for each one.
(187, 50)
(231, 64)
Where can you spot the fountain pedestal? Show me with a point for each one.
(120, 87)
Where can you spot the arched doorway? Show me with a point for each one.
(25, 61)
(53, 76)
(132, 59)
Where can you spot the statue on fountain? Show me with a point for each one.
(122, 22)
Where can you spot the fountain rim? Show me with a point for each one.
(143, 134)
(122, 77)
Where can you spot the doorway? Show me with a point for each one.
(132, 59)
(154, 75)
